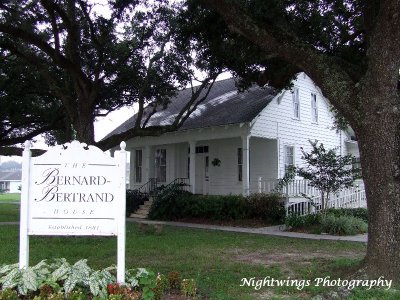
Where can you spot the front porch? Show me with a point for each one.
(218, 165)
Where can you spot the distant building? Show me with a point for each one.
(10, 181)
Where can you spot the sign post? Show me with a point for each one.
(121, 218)
(73, 189)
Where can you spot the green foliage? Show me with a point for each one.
(339, 122)
(171, 204)
(268, 207)
(361, 213)
(77, 280)
(162, 285)
(231, 207)
(188, 287)
(134, 199)
(301, 222)
(52, 272)
(286, 179)
(174, 279)
(342, 225)
(165, 204)
(326, 170)
(144, 279)
(333, 221)
(8, 294)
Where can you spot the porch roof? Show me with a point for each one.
(223, 106)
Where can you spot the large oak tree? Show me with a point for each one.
(351, 49)
(83, 65)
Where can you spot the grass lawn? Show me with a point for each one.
(216, 260)
(12, 197)
(9, 212)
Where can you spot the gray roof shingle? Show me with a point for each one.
(223, 106)
(10, 175)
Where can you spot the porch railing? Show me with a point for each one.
(149, 187)
(183, 183)
(296, 203)
(295, 188)
(348, 198)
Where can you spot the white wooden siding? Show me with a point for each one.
(276, 121)
(263, 160)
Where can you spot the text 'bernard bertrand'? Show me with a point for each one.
(52, 180)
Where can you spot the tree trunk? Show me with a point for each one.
(380, 157)
(85, 128)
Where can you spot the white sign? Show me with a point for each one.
(73, 189)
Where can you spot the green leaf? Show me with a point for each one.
(7, 268)
(29, 280)
(61, 272)
(11, 279)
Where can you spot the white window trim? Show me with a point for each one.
(160, 165)
(316, 111)
(141, 166)
(284, 156)
(296, 89)
(239, 165)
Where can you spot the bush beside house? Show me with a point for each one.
(173, 204)
(341, 221)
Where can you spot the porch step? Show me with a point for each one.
(143, 210)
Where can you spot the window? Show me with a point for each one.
(289, 157)
(314, 108)
(138, 166)
(161, 165)
(240, 163)
(296, 103)
(202, 149)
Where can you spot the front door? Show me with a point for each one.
(202, 173)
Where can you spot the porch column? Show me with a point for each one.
(131, 167)
(246, 165)
(146, 164)
(192, 170)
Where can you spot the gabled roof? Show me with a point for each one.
(14, 175)
(223, 106)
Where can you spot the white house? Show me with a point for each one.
(10, 181)
(234, 142)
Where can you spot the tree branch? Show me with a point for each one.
(334, 81)
(16, 151)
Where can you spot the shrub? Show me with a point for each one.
(188, 287)
(162, 285)
(171, 203)
(214, 207)
(361, 213)
(134, 199)
(300, 222)
(8, 294)
(174, 279)
(342, 225)
(268, 207)
(165, 205)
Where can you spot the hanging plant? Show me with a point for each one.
(216, 162)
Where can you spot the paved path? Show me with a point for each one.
(271, 230)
